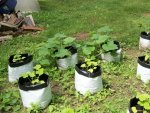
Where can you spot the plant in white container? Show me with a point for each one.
(61, 49)
(88, 77)
(139, 104)
(18, 64)
(143, 68)
(101, 45)
(144, 42)
(35, 88)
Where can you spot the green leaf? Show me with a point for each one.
(16, 108)
(25, 75)
(45, 62)
(37, 67)
(99, 39)
(62, 52)
(32, 74)
(83, 65)
(109, 46)
(42, 82)
(43, 51)
(40, 71)
(134, 109)
(52, 42)
(78, 45)
(87, 50)
(67, 110)
(69, 40)
(90, 70)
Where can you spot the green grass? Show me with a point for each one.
(72, 17)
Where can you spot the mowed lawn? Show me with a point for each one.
(72, 17)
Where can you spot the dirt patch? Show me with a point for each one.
(56, 88)
(146, 14)
(81, 36)
(132, 53)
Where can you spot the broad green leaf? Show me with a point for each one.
(95, 68)
(100, 38)
(67, 110)
(78, 45)
(95, 63)
(69, 40)
(88, 50)
(89, 63)
(83, 65)
(16, 108)
(43, 52)
(37, 67)
(52, 42)
(45, 62)
(62, 52)
(25, 75)
(42, 82)
(109, 46)
(90, 70)
(147, 106)
(32, 74)
(87, 60)
(40, 71)
(134, 109)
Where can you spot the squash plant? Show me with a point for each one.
(56, 47)
(144, 101)
(35, 75)
(99, 42)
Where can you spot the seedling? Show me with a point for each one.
(144, 101)
(18, 58)
(89, 65)
(35, 75)
(99, 42)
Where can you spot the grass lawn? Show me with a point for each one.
(82, 16)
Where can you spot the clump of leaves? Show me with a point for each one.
(89, 65)
(34, 109)
(35, 75)
(9, 102)
(144, 101)
(55, 47)
(67, 110)
(99, 42)
(18, 58)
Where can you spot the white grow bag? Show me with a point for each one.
(85, 82)
(143, 70)
(144, 42)
(110, 57)
(66, 62)
(40, 95)
(27, 5)
(16, 69)
(113, 56)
